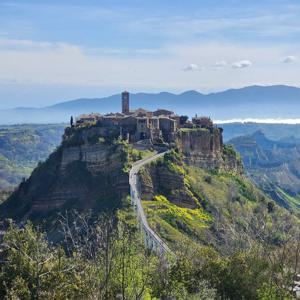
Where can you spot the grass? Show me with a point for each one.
(173, 222)
(294, 202)
(223, 186)
(227, 202)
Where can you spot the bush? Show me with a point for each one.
(271, 206)
(208, 179)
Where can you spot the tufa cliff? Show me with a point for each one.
(90, 171)
(80, 174)
(201, 147)
(204, 148)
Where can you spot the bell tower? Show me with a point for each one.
(125, 102)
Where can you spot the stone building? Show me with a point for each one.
(202, 122)
(134, 125)
(125, 102)
(87, 118)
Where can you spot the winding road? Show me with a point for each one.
(152, 240)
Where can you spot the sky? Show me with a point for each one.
(57, 50)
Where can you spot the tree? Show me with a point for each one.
(183, 119)
(32, 269)
(71, 122)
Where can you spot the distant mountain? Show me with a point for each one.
(273, 165)
(277, 101)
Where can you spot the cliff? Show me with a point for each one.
(203, 148)
(168, 177)
(83, 175)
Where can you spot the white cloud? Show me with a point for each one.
(66, 64)
(289, 59)
(242, 64)
(192, 67)
(220, 64)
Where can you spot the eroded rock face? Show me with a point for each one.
(86, 176)
(100, 166)
(201, 147)
(157, 179)
(98, 157)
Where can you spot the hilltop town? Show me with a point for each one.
(160, 126)
(199, 140)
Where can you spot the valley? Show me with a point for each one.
(22, 147)
(273, 165)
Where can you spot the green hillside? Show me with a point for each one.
(22, 147)
(273, 165)
(229, 213)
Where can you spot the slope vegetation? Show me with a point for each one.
(273, 165)
(221, 209)
(22, 147)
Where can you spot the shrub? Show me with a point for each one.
(208, 179)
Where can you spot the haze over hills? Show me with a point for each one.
(260, 102)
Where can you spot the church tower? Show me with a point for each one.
(125, 102)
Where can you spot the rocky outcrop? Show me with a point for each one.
(98, 157)
(158, 179)
(101, 163)
(203, 148)
(83, 176)
(232, 161)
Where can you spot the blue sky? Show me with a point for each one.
(57, 50)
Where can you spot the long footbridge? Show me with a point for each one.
(151, 239)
